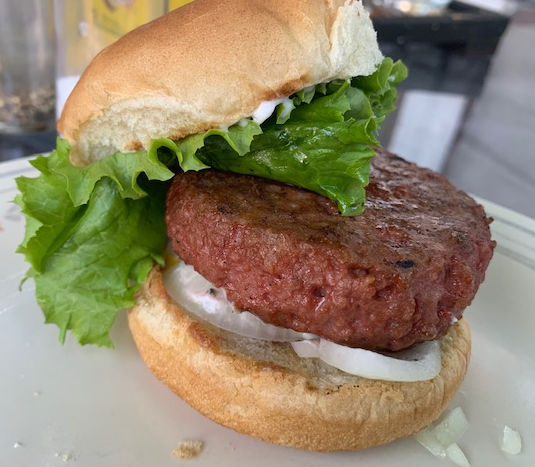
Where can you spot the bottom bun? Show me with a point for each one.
(264, 390)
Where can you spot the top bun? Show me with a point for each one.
(209, 64)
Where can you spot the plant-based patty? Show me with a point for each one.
(400, 273)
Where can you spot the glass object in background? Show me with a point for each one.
(85, 27)
(27, 63)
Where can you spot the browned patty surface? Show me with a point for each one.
(400, 273)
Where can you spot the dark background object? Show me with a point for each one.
(449, 52)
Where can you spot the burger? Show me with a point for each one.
(220, 177)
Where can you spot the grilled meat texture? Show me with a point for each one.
(398, 274)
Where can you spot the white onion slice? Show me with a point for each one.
(511, 442)
(430, 442)
(420, 363)
(452, 427)
(307, 349)
(456, 455)
(201, 298)
(441, 440)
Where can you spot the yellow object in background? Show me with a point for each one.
(114, 18)
(173, 4)
(85, 27)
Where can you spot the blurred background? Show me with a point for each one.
(466, 110)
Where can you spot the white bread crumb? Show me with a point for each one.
(188, 449)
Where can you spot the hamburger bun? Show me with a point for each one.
(209, 64)
(263, 389)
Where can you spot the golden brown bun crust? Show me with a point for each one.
(210, 63)
(279, 397)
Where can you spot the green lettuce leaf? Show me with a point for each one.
(330, 159)
(93, 233)
(88, 260)
(324, 146)
(380, 87)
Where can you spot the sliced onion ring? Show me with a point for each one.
(202, 299)
(419, 363)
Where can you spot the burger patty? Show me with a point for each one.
(400, 273)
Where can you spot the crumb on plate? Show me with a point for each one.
(188, 449)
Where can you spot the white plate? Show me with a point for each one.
(86, 406)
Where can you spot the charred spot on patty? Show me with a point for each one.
(224, 209)
(406, 263)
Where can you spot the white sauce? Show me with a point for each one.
(266, 109)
